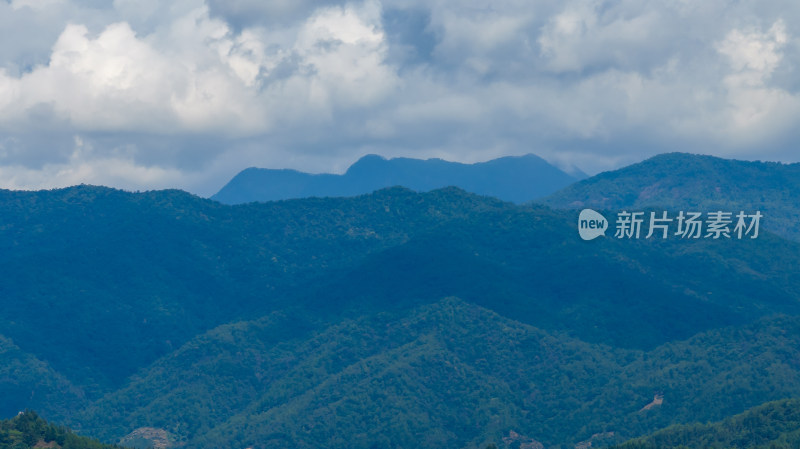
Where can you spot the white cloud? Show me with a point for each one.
(755, 51)
(116, 170)
(344, 48)
(188, 92)
(118, 81)
(756, 110)
(197, 76)
(591, 34)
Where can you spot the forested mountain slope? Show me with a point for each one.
(681, 181)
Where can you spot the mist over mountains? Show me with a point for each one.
(397, 318)
(514, 178)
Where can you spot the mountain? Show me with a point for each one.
(27, 431)
(322, 321)
(679, 181)
(27, 382)
(516, 179)
(774, 425)
(448, 374)
(442, 375)
(89, 273)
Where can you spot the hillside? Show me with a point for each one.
(27, 382)
(309, 321)
(169, 266)
(158, 264)
(679, 181)
(447, 374)
(515, 179)
(775, 425)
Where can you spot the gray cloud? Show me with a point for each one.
(242, 14)
(145, 94)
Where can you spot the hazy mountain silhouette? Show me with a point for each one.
(515, 178)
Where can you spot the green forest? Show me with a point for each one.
(27, 431)
(775, 425)
(682, 181)
(394, 319)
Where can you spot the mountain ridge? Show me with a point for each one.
(157, 263)
(678, 181)
(400, 374)
(166, 311)
(511, 178)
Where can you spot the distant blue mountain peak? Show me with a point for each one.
(512, 178)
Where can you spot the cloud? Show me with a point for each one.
(254, 13)
(755, 109)
(754, 51)
(589, 35)
(196, 75)
(186, 93)
(111, 82)
(107, 169)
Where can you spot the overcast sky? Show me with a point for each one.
(143, 94)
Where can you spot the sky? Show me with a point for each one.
(143, 94)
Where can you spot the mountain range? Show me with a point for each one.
(391, 319)
(514, 178)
